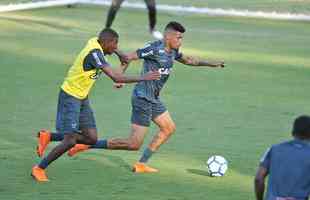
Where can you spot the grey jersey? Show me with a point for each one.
(288, 165)
(155, 58)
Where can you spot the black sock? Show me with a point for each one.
(57, 136)
(101, 144)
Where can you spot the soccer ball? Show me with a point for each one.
(217, 166)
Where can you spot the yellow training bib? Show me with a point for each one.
(79, 81)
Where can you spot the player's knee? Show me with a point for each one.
(150, 5)
(173, 128)
(93, 140)
(91, 135)
(69, 141)
(151, 8)
(134, 146)
(169, 129)
(115, 6)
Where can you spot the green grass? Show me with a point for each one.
(236, 112)
(293, 6)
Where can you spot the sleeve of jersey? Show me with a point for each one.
(146, 52)
(96, 59)
(178, 54)
(265, 160)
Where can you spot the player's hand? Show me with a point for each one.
(124, 60)
(118, 85)
(151, 75)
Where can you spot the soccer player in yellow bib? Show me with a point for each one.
(147, 105)
(75, 122)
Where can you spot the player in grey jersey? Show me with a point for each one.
(146, 103)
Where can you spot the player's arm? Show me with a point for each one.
(125, 60)
(199, 62)
(139, 54)
(121, 78)
(146, 52)
(122, 57)
(259, 182)
(96, 60)
(261, 174)
(132, 56)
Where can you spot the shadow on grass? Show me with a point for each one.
(198, 172)
(116, 160)
(119, 161)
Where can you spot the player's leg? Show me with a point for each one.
(87, 136)
(115, 6)
(151, 6)
(162, 119)
(44, 138)
(86, 121)
(88, 128)
(67, 122)
(166, 129)
(140, 121)
(75, 113)
(132, 143)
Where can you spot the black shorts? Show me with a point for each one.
(143, 110)
(73, 114)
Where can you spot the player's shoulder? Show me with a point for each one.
(92, 42)
(154, 44)
(282, 144)
(275, 147)
(153, 48)
(96, 52)
(294, 143)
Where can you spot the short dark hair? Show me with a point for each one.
(175, 26)
(107, 34)
(301, 127)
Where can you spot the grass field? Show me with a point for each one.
(293, 6)
(236, 112)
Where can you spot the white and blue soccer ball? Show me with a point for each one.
(217, 165)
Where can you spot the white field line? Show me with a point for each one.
(34, 5)
(162, 7)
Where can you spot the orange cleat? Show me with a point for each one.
(44, 138)
(143, 168)
(39, 174)
(77, 148)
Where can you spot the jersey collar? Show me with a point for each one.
(94, 41)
